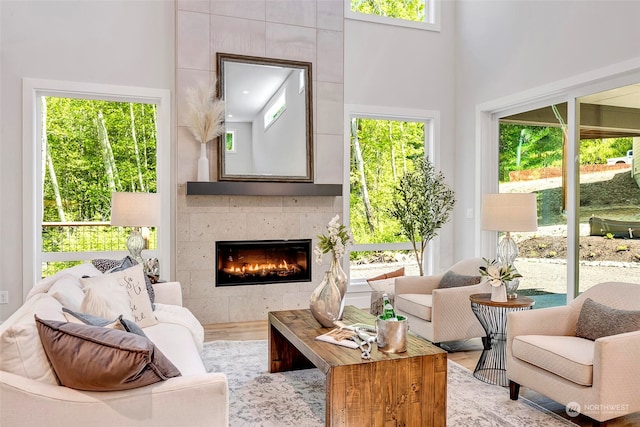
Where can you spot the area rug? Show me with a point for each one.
(260, 399)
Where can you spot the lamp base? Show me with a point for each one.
(135, 245)
(507, 250)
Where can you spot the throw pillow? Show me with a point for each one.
(598, 320)
(397, 273)
(92, 358)
(455, 280)
(104, 264)
(128, 262)
(106, 298)
(132, 280)
(88, 319)
(387, 286)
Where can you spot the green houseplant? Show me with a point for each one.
(422, 205)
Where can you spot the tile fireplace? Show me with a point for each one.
(256, 262)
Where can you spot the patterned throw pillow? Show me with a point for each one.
(113, 265)
(598, 320)
(455, 280)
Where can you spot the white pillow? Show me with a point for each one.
(68, 291)
(387, 286)
(106, 298)
(132, 280)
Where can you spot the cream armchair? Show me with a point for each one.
(600, 378)
(441, 315)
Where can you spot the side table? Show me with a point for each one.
(491, 367)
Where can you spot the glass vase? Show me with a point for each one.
(326, 301)
(340, 277)
(511, 288)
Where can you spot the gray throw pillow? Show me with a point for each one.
(89, 319)
(455, 280)
(598, 320)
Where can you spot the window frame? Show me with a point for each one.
(32, 90)
(432, 8)
(431, 118)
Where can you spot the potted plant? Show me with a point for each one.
(422, 205)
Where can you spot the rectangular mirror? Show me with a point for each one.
(268, 119)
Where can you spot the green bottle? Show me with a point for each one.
(388, 313)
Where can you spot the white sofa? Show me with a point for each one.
(30, 394)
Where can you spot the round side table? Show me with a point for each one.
(491, 367)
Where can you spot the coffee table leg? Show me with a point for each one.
(283, 356)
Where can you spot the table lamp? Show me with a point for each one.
(509, 212)
(135, 210)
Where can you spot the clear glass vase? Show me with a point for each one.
(326, 301)
(511, 287)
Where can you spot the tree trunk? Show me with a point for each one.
(107, 155)
(363, 179)
(48, 161)
(393, 154)
(135, 147)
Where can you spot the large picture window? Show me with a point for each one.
(423, 14)
(382, 149)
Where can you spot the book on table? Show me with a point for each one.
(344, 336)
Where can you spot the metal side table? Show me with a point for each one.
(491, 367)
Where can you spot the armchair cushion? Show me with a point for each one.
(566, 356)
(452, 279)
(418, 305)
(94, 358)
(598, 320)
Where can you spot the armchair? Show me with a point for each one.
(596, 378)
(441, 315)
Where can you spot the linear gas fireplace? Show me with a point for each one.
(262, 261)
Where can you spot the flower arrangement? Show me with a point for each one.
(498, 274)
(336, 240)
(204, 113)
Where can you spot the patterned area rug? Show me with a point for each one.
(260, 399)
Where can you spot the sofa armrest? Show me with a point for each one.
(194, 400)
(616, 369)
(416, 284)
(168, 293)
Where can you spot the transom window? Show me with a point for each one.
(424, 14)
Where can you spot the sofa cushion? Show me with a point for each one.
(598, 320)
(177, 344)
(93, 358)
(131, 279)
(117, 323)
(22, 351)
(566, 356)
(418, 305)
(455, 280)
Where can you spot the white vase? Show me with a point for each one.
(203, 164)
(499, 293)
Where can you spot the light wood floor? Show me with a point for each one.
(466, 356)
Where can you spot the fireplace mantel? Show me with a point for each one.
(237, 188)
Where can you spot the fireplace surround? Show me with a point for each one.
(260, 262)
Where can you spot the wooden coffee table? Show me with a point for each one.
(405, 389)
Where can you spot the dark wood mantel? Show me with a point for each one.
(237, 188)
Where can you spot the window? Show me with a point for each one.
(44, 204)
(424, 14)
(276, 109)
(230, 141)
(382, 148)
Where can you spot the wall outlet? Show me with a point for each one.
(4, 297)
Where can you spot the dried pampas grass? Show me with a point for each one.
(204, 115)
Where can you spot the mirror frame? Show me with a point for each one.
(221, 59)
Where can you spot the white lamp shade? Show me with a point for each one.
(135, 209)
(509, 212)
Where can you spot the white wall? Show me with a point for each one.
(401, 67)
(116, 42)
(506, 47)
